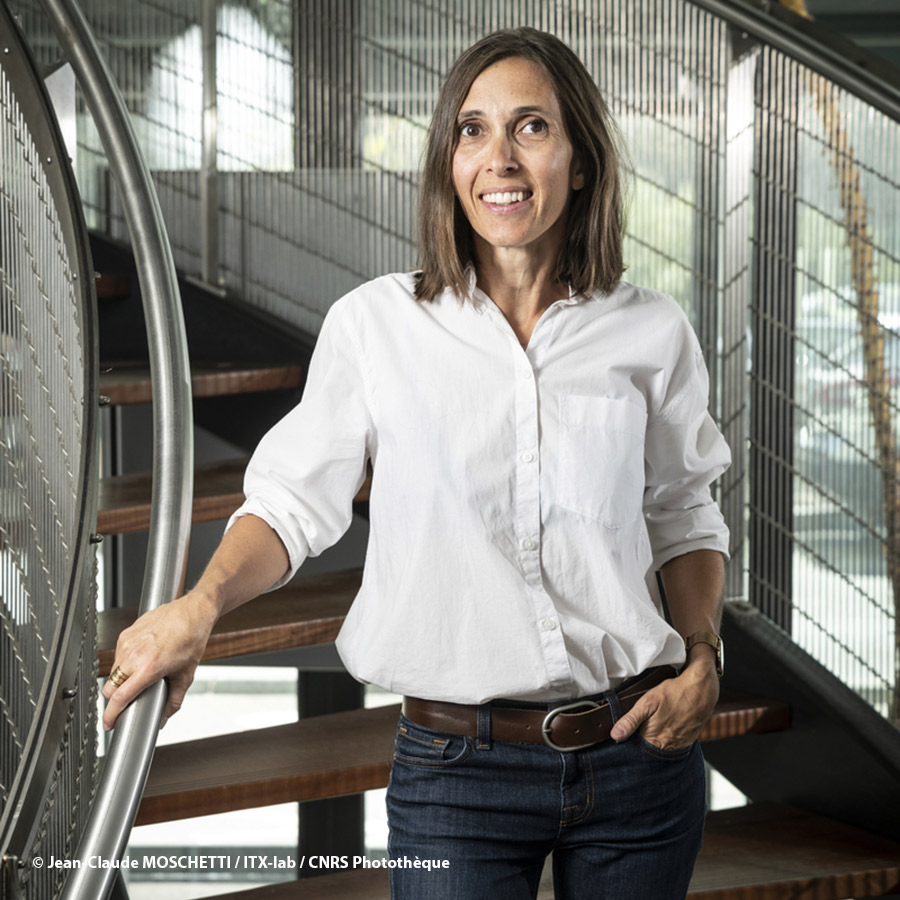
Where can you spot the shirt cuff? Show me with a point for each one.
(707, 532)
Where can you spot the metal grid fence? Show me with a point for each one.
(765, 200)
(839, 206)
(48, 687)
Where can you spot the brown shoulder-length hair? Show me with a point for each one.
(591, 254)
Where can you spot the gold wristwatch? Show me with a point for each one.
(714, 641)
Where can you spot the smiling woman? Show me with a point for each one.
(541, 442)
(551, 101)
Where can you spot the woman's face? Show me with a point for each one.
(514, 166)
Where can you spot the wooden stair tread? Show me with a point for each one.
(738, 714)
(125, 383)
(124, 500)
(758, 852)
(305, 612)
(325, 756)
(339, 753)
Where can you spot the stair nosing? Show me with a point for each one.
(237, 633)
(218, 492)
(126, 383)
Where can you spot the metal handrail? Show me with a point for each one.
(131, 749)
(846, 65)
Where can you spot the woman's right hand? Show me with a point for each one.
(166, 642)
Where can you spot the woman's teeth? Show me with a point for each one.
(505, 197)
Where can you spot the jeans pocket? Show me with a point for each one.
(601, 458)
(671, 755)
(418, 746)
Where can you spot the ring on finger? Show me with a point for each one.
(118, 677)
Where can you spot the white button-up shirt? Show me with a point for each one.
(520, 497)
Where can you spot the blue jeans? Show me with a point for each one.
(624, 821)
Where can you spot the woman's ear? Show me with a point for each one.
(577, 175)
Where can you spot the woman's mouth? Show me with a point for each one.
(505, 198)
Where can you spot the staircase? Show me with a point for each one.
(766, 851)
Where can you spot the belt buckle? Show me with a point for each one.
(547, 725)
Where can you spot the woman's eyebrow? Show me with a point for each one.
(518, 111)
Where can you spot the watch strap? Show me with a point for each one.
(707, 637)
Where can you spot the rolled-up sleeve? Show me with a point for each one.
(303, 476)
(684, 454)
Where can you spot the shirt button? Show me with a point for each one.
(527, 374)
(548, 625)
(527, 457)
(529, 544)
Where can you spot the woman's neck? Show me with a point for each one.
(522, 288)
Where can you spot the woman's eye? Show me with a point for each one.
(534, 126)
(469, 129)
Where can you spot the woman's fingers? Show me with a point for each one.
(166, 642)
(631, 721)
(178, 686)
(119, 697)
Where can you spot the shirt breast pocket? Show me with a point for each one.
(601, 458)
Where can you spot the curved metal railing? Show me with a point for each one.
(131, 749)
(849, 67)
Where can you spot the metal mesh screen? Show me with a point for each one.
(41, 426)
(765, 200)
(74, 774)
(46, 430)
(846, 360)
(322, 112)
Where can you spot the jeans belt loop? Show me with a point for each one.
(615, 708)
(483, 730)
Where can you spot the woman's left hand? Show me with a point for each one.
(672, 715)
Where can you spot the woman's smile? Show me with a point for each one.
(505, 198)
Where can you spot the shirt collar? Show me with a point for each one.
(482, 302)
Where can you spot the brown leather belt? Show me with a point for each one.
(572, 726)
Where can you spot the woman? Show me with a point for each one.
(540, 442)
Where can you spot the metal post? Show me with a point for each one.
(209, 184)
(738, 206)
(335, 825)
(708, 151)
(772, 383)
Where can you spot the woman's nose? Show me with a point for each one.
(501, 155)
